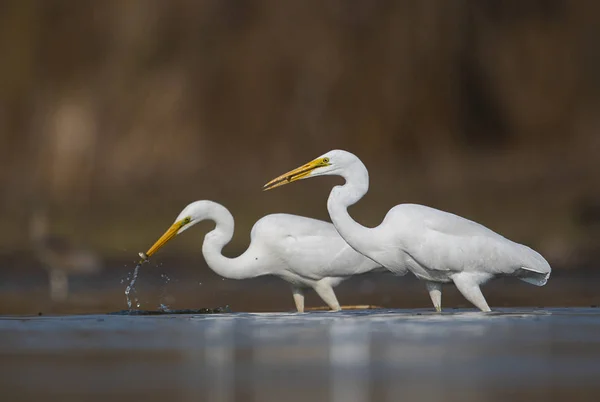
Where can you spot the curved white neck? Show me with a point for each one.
(341, 197)
(241, 267)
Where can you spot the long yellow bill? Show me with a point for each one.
(168, 235)
(297, 174)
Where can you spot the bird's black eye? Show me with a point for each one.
(326, 160)
(187, 220)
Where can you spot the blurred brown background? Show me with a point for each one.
(115, 114)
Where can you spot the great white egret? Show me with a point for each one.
(437, 246)
(60, 256)
(307, 253)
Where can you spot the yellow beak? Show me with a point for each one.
(168, 235)
(299, 173)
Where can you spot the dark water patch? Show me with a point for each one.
(218, 310)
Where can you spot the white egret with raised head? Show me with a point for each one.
(437, 246)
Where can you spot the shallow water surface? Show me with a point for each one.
(352, 356)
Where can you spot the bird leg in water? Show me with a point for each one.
(298, 298)
(469, 288)
(325, 292)
(435, 292)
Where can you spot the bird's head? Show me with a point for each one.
(331, 163)
(189, 216)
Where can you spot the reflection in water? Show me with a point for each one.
(348, 356)
(219, 360)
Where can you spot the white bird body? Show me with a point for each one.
(307, 253)
(434, 245)
(467, 246)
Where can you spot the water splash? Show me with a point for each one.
(131, 286)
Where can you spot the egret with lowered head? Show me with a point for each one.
(307, 253)
(437, 246)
